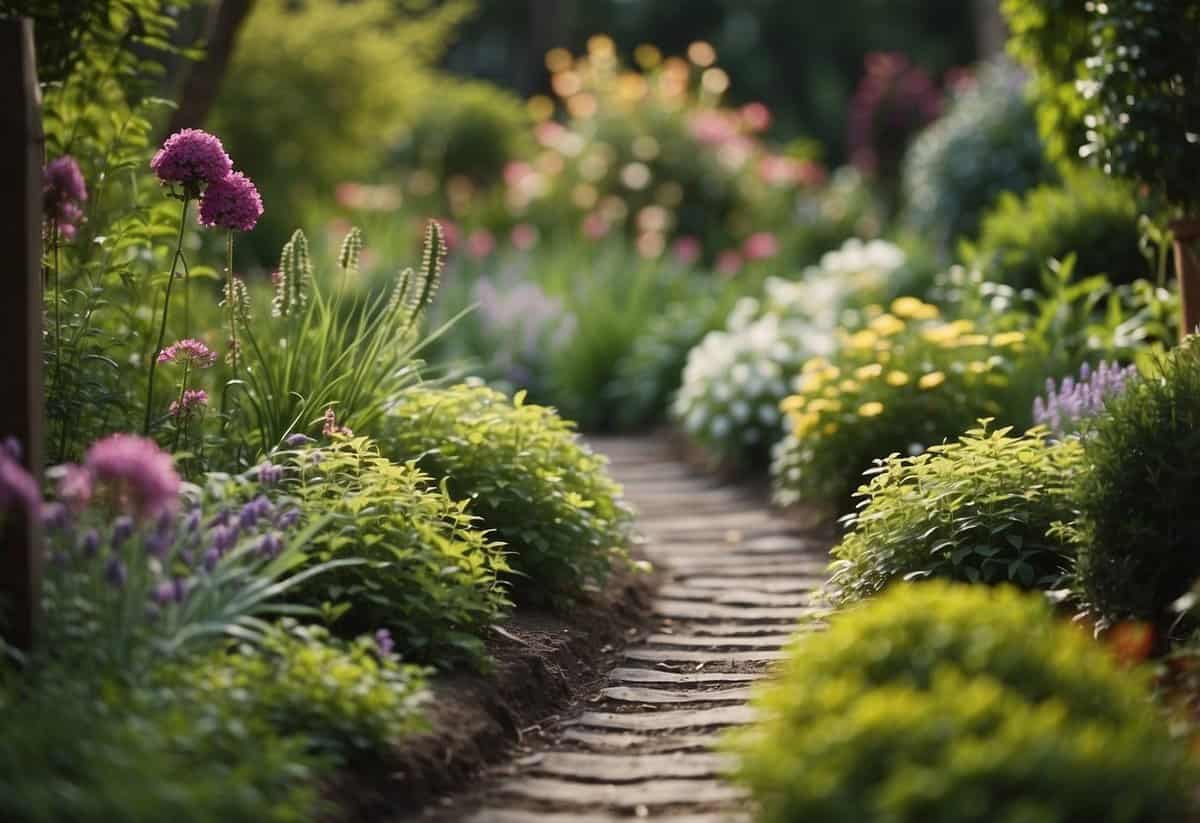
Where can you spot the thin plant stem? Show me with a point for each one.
(234, 354)
(187, 367)
(162, 329)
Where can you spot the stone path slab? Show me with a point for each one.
(645, 744)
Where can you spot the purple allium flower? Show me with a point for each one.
(190, 353)
(136, 472)
(384, 642)
(164, 593)
(192, 399)
(297, 440)
(63, 193)
(75, 487)
(191, 157)
(1066, 404)
(231, 203)
(114, 572)
(17, 486)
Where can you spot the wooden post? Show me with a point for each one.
(21, 148)
(1187, 268)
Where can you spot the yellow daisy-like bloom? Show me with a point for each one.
(821, 405)
(932, 380)
(849, 386)
(864, 339)
(872, 409)
(831, 391)
(977, 367)
(885, 325)
(868, 372)
(830, 428)
(897, 378)
(943, 334)
(803, 424)
(792, 404)
(814, 365)
(914, 309)
(1008, 338)
(973, 340)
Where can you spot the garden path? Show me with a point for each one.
(736, 579)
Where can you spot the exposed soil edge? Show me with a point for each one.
(542, 661)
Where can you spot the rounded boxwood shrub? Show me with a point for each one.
(1088, 215)
(979, 509)
(986, 143)
(945, 703)
(430, 573)
(526, 475)
(1139, 522)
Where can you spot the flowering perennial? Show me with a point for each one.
(1072, 401)
(231, 203)
(63, 194)
(190, 353)
(191, 157)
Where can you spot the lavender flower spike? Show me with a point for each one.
(1068, 404)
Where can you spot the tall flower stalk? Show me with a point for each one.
(162, 327)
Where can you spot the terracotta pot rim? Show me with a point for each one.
(1186, 228)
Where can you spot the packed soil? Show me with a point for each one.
(541, 662)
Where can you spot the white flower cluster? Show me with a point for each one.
(735, 378)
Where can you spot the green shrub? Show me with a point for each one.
(1142, 94)
(350, 702)
(547, 496)
(1051, 39)
(1139, 525)
(107, 754)
(1087, 215)
(901, 381)
(466, 129)
(986, 143)
(979, 509)
(431, 573)
(942, 703)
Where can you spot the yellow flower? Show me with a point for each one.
(864, 339)
(932, 380)
(830, 428)
(849, 386)
(872, 409)
(868, 372)
(1008, 338)
(977, 367)
(814, 365)
(945, 333)
(914, 309)
(803, 424)
(897, 378)
(973, 340)
(792, 404)
(885, 325)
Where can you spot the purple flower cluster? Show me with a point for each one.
(522, 322)
(191, 158)
(231, 203)
(1067, 404)
(197, 161)
(63, 194)
(190, 353)
(131, 472)
(188, 404)
(894, 100)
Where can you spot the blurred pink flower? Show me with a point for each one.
(595, 226)
(756, 116)
(548, 133)
(760, 246)
(480, 243)
(515, 172)
(348, 195)
(712, 127)
(686, 249)
(450, 231)
(231, 203)
(524, 236)
(136, 472)
(728, 263)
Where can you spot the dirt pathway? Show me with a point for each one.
(737, 579)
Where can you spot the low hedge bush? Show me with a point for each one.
(527, 477)
(979, 509)
(944, 703)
